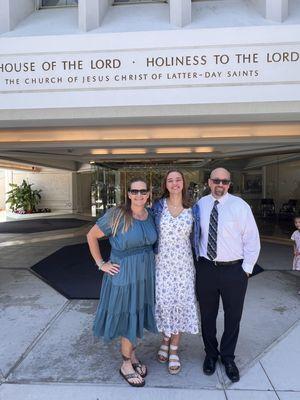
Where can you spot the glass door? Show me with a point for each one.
(105, 188)
(110, 185)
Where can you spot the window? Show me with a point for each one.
(117, 2)
(57, 3)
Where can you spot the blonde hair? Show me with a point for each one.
(123, 213)
(120, 214)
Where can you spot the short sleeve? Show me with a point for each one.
(293, 237)
(104, 223)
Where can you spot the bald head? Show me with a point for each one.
(219, 182)
(217, 172)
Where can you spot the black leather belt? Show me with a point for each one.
(224, 263)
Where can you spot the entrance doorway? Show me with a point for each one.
(110, 182)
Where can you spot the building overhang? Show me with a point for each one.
(68, 148)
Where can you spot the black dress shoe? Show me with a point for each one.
(209, 365)
(231, 370)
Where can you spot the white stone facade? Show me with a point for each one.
(136, 30)
(58, 188)
(92, 12)
(210, 79)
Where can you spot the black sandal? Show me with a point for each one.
(138, 367)
(135, 375)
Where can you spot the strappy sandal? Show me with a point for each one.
(138, 367)
(134, 375)
(163, 352)
(174, 366)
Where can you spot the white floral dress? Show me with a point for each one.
(175, 309)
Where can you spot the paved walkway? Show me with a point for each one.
(47, 350)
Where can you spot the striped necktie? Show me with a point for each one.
(213, 232)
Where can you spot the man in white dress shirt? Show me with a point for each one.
(229, 248)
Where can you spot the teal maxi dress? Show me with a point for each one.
(126, 305)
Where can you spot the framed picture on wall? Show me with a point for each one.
(252, 183)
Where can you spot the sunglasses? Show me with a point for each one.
(135, 192)
(217, 181)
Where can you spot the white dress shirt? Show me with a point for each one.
(238, 236)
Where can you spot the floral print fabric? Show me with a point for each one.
(175, 309)
(296, 261)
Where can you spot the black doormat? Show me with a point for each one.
(41, 225)
(72, 272)
(257, 269)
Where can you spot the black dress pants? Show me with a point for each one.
(228, 282)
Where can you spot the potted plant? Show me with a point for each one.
(22, 198)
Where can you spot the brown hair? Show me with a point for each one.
(123, 212)
(186, 203)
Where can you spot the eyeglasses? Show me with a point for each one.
(217, 181)
(135, 192)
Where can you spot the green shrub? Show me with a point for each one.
(23, 198)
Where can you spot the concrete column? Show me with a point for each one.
(91, 13)
(88, 14)
(180, 12)
(2, 190)
(12, 12)
(274, 10)
(4, 16)
(277, 10)
(8, 180)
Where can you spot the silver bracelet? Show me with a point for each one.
(100, 264)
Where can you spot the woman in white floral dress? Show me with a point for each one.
(175, 309)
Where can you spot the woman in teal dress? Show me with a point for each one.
(126, 304)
